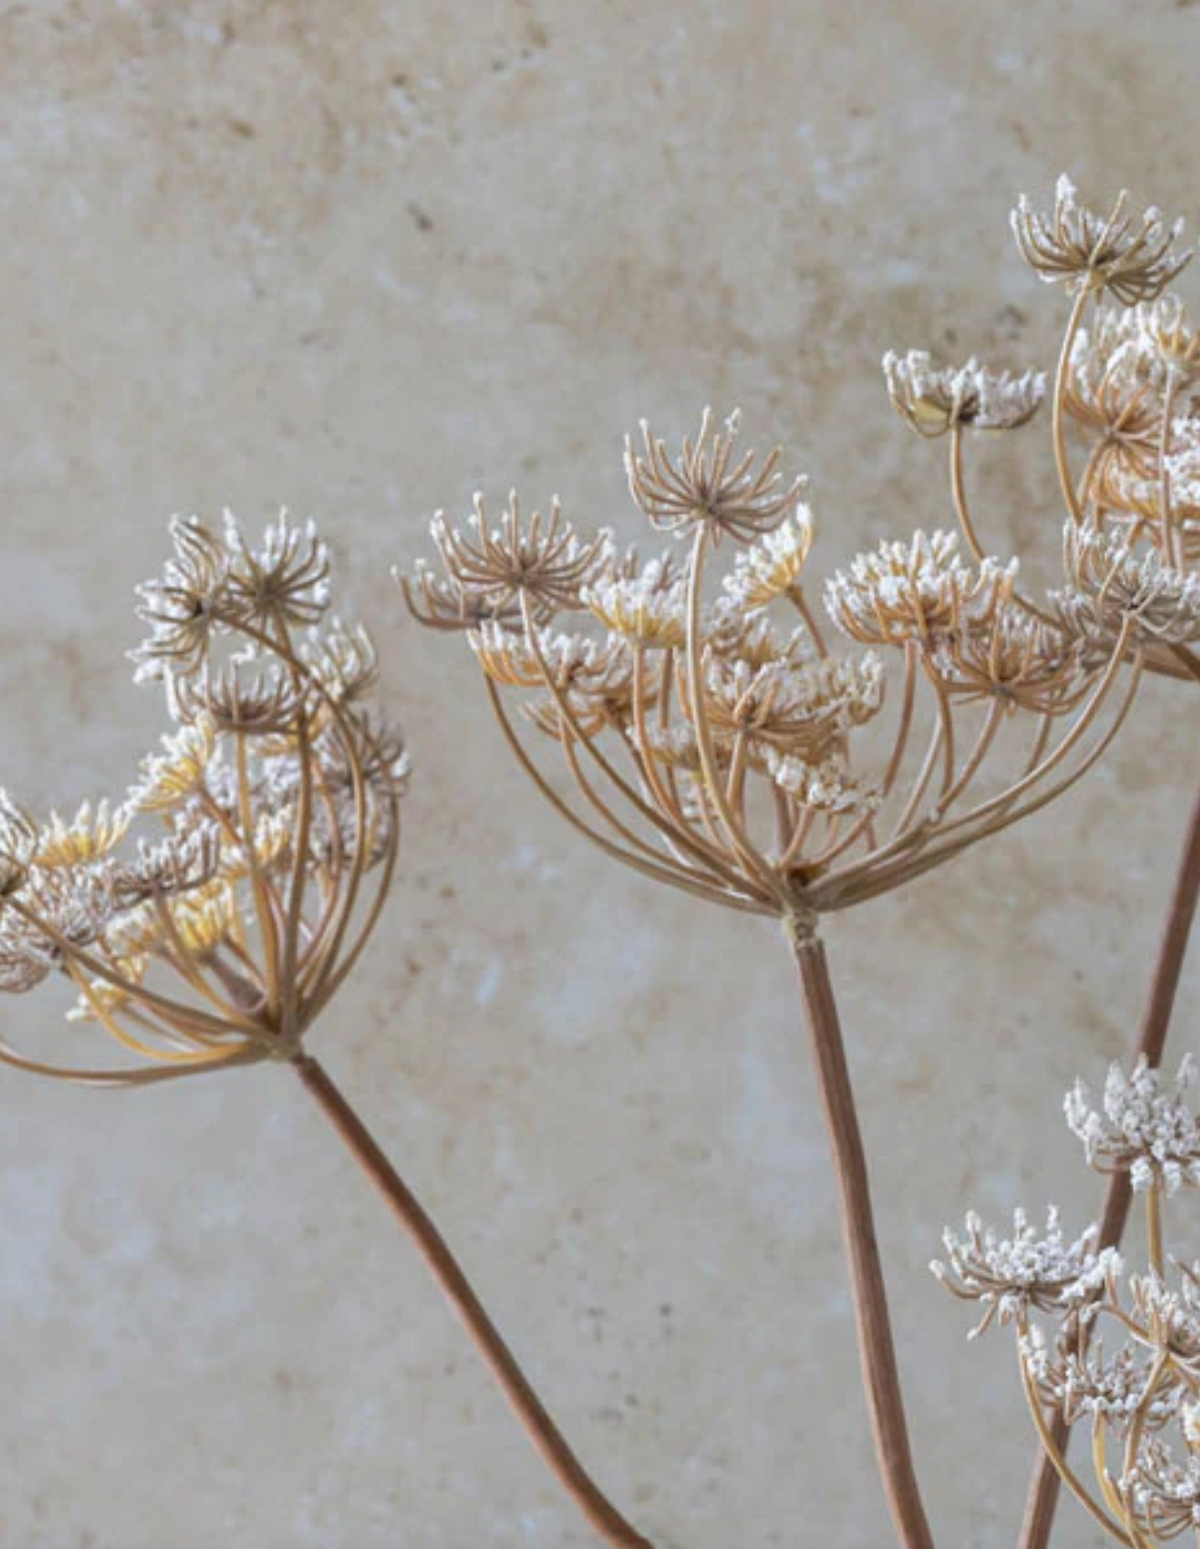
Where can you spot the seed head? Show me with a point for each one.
(915, 591)
(1142, 1127)
(933, 401)
(1008, 1275)
(704, 485)
(1086, 251)
(492, 572)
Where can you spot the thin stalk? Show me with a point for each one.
(1170, 536)
(546, 1437)
(881, 1378)
(1154, 1232)
(1066, 483)
(1042, 1501)
(958, 491)
(1058, 1459)
(795, 595)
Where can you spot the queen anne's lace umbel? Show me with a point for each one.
(1119, 1353)
(1142, 1126)
(206, 919)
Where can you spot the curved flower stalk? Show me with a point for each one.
(711, 739)
(208, 919)
(1117, 1352)
(1126, 443)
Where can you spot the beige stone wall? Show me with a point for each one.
(363, 259)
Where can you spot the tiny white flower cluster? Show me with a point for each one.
(1110, 584)
(543, 658)
(783, 693)
(766, 569)
(1167, 1316)
(214, 587)
(1087, 1382)
(935, 399)
(1009, 1275)
(1182, 463)
(1136, 346)
(648, 609)
(827, 786)
(1086, 251)
(911, 590)
(1142, 1128)
(1164, 1490)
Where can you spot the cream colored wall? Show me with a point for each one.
(364, 258)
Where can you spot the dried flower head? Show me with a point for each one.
(208, 921)
(1164, 1492)
(747, 784)
(90, 834)
(1164, 347)
(649, 609)
(258, 700)
(1121, 412)
(1114, 593)
(1010, 1275)
(281, 585)
(1141, 1127)
(771, 566)
(1090, 252)
(1086, 1383)
(827, 786)
(344, 661)
(1165, 1319)
(705, 485)
(793, 707)
(170, 777)
(441, 602)
(185, 604)
(1014, 659)
(492, 573)
(934, 400)
(1143, 1393)
(917, 590)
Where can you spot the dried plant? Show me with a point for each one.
(1123, 410)
(208, 919)
(694, 723)
(709, 745)
(1115, 1351)
(713, 746)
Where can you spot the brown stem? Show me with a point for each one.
(881, 1378)
(544, 1434)
(1042, 1501)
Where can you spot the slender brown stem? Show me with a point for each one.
(542, 1431)
(881, 1377)
(1042, 1501)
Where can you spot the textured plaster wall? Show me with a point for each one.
(364, 258)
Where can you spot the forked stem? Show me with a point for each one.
(1042, 1501)
(542, 1431)
(881, 1378)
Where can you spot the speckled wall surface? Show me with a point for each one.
(363, 259)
